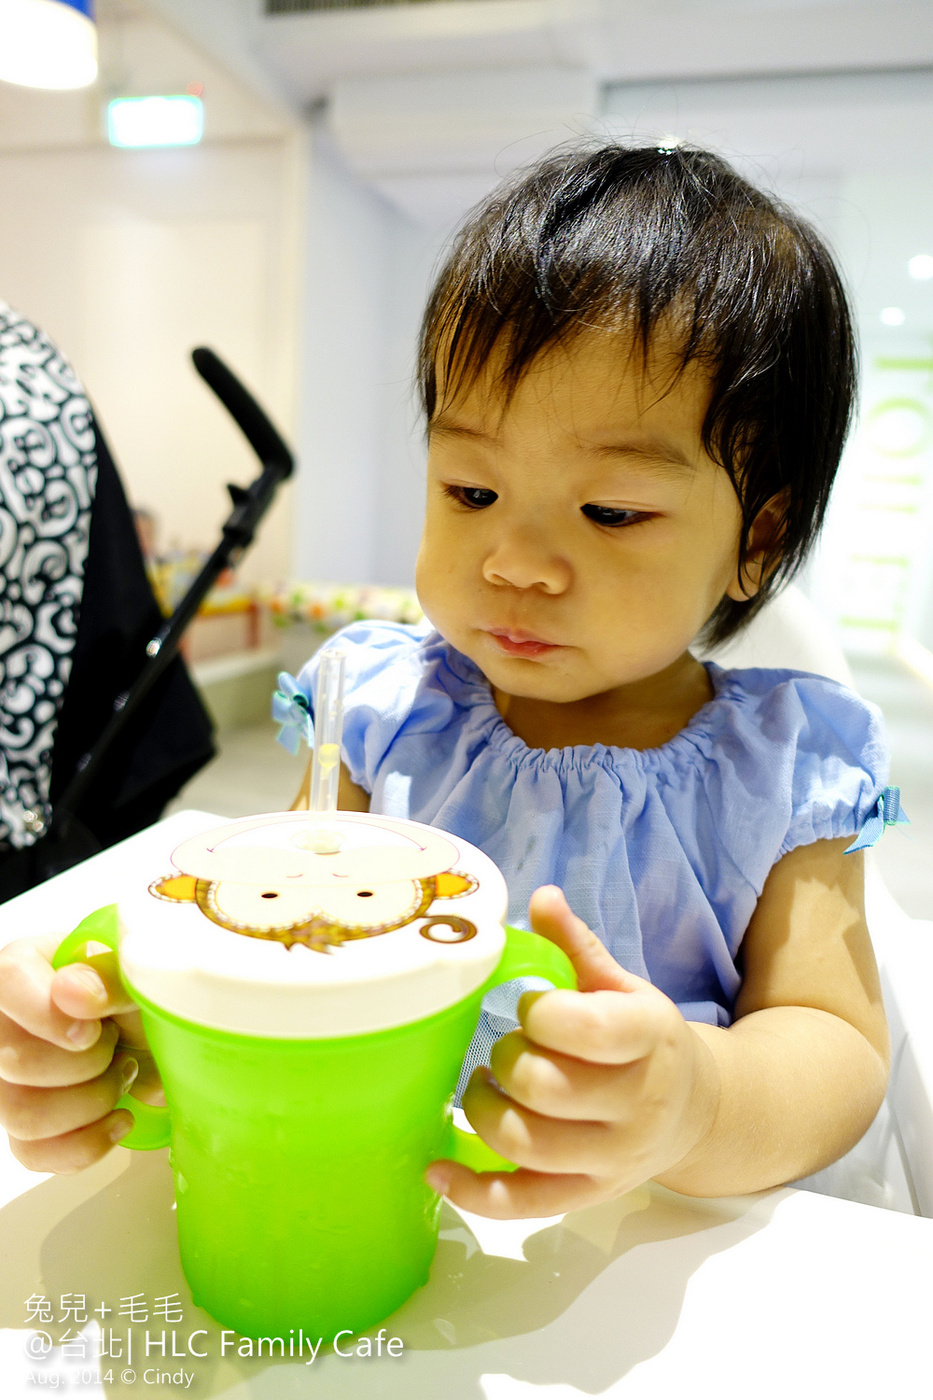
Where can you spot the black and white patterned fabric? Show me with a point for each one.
(48, 475)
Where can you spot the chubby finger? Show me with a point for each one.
(604, 1027)
(551, 916)
(72, 1152)
(147, 1084)
(31, 1114)
(532, 1140)
(561, 1086)
(520, 1195)
(27, 1060)
(91, 988)
(26, 978)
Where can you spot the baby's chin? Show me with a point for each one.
(553, 678)
(566, 679)
(532, 680)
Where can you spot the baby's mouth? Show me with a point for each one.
(518, 643)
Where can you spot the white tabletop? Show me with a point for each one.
(784, 1294)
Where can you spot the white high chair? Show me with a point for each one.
(892, 1166)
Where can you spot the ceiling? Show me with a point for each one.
(301, 56)
(431, 102)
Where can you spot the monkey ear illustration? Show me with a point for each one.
(180, 889)
(450, 883)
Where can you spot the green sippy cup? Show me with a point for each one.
(309, 995)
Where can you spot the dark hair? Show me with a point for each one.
(616, 237)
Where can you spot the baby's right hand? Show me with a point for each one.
(71, 1043)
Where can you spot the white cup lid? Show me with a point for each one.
(278, 925)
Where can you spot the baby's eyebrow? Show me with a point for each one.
(450, 427)
(656, 453)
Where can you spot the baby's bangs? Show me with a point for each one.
(620, 243)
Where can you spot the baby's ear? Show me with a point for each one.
(764, 550)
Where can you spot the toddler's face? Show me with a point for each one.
(576, 541)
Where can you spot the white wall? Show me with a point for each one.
(308, 282)
(131, 258)
(358, 503)
(414, 252)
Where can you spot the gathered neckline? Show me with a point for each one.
(690, 741)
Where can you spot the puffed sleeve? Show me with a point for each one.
(388, 690)
(841, 758)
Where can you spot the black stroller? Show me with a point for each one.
(131, 728)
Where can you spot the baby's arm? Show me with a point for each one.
(70, 1044)
(605, 1088)
(806, 1060)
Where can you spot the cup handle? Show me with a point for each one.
(526, 955)
(151, 1125)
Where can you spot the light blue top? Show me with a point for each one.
(663, 852)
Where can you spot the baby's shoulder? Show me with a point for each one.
(412, 657)
(799, 714)
(381, 635)
(791, 757)
(793, 698)
(399, 678)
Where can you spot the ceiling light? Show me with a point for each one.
(48, 43)
(155, 121)
(921, 267)
(893, 316)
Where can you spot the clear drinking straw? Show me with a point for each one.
(325, 760)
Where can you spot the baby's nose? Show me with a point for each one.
(527, 557)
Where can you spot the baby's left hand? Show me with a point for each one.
(599, 1091)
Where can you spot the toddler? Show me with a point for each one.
(637, 374)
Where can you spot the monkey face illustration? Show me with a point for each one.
(275, 889)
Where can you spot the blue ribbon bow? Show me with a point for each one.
(292, 710)
(887, 811)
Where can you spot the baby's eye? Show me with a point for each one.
(612, 515)
(474, 497)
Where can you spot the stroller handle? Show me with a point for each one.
(245, 411)
(249, 505)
